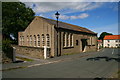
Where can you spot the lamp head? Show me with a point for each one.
(57, 15)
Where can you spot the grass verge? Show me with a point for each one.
(24, 59)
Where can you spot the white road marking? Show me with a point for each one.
(113, 51)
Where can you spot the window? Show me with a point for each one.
(27, 40)
(35, 40)
(116, 41)
(30, 40)
(67, 39)
(71, 39)
(119, 40)
(38, 40)
(22, 40)
(76, 42)
(43, 40)
(48, 39)
(108, 40)
(117, 45)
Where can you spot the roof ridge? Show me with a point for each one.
(107, 37)
(112, 35)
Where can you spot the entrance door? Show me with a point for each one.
(84, 43)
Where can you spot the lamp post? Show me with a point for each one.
(57, 16)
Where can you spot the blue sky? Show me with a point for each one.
(96, 16)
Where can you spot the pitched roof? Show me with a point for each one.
(99, 41)
(107, 37)
(68, 26)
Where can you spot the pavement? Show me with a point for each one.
(37, 62)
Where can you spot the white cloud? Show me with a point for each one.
(87, 6)
(67, 0)
(65, 17)
(66, 7)
(82, 16)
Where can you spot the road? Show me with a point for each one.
(100, 64)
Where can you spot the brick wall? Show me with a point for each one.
(33, 52)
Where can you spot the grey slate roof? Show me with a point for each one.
(68, 26)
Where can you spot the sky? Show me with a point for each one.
(96, 16)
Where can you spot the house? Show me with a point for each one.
(111, 41)
(62, 39)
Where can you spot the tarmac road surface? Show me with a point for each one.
(100, 64)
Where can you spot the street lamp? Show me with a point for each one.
(57, 16)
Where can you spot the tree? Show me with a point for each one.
(15, 17)
(103, 34)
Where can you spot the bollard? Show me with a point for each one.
(45, 52)
(98, 48)
(14, 52)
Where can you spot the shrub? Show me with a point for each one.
(7, 49)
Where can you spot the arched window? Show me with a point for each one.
(35, 40)
(43, 40)
(48, 39)
(30, 40)
(38, 40)
(27, 40)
